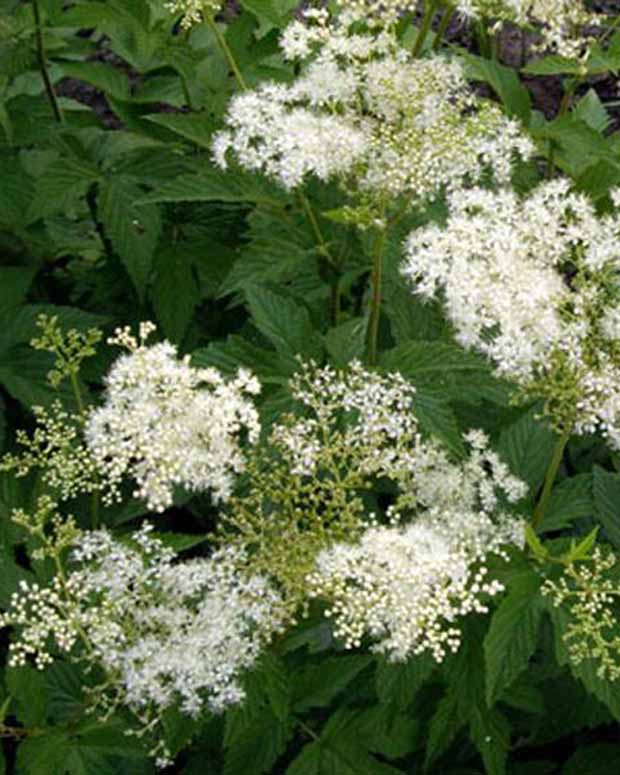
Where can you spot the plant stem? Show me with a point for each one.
(425, 26)
(563, 109)
(443, 26)
(77, 392)
(554, 464)
(232, 62)
(375, 300)
(43, 63)
(94, 510)
(334, 301)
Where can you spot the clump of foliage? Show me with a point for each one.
(351, 502)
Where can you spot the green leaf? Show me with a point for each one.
(512, 635)
(397, 683)
(318, 685)
(526, 446)
(16, 192)
(133, 229)
(447, 369)
(606, 491)
(594, 759)
(27, 685)
(91, 749)
(236, 352)
(437, 419)
(572, 499)
(597, 179)
(553, 65)
(175, 293)
(196, 127)
(490, 732)
(14, 285)
(284, 321)
(591, 110)
(217, 186)
(340, 750)
(104, 77)
(444, 725)
(504, 82)
(257, 745)
(347, 341)
(61, 187)
(64, 686)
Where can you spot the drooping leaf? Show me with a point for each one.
(133, 229)
(512, 635)
(318, 685)
(526, 446)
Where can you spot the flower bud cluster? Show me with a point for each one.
(533, 284)
(306, 486)
(56, 447)
(406, 586)
(192, 12)
(166, 423)
(589, 593)
(364, 112)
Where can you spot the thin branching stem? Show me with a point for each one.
(44, 64)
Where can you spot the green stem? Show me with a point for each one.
(375, 300)
(443, 26)
(77, 392)
(425, 26)
(554, 464)
(334, 301)
(94, 510)
(563, 109)
(232, 62)
(186, 92)
(43, 63)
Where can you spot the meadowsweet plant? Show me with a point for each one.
(165, 423)
(564, 26)
(364, 112)
(533, 284)
(351, 503)
(306, 486)
(406, 585)
(163, 634)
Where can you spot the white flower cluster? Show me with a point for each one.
(364, 112)
(192, 12)
(374, 412)
(534, 285)
(166, 423)
(407, 587)
(561, 23)
(165, 633)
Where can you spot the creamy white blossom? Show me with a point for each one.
(364, 112)
(407, 586)
(165, 632)
(165, 423)
(562, 24)
(533, 284)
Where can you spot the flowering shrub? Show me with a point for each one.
(351, 504)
